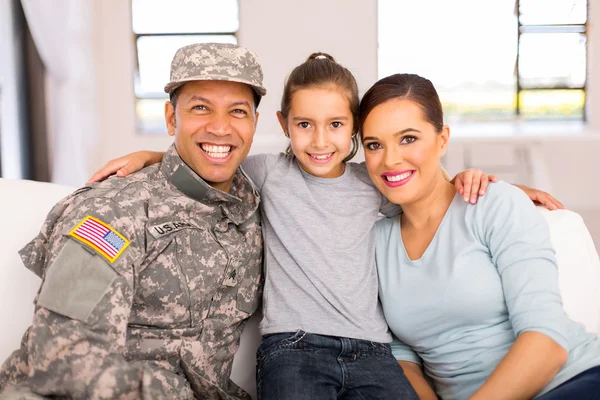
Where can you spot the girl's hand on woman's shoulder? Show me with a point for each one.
(472, 183)
(127, 164)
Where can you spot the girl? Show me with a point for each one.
(470, 291)
(324, 334)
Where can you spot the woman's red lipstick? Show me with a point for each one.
(397, 178)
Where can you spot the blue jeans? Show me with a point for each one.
(302, 366)
(585, 386)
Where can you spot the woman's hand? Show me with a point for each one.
(540, 198)
(126, 165)
(414, 374)
(472, 183)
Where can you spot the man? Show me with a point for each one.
(148, 280)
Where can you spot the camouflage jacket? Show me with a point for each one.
(147, 284)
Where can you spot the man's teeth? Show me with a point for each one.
(321, 156)
(396, 178)
(216, 151)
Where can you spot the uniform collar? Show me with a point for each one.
(238, 205)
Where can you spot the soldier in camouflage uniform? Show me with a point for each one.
(148, 280)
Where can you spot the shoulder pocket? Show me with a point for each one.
(75, 282)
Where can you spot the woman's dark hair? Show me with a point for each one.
(320, 69)
(404, 86)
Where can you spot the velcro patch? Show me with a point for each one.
(101, 237)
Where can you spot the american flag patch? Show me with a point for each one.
(101, 237)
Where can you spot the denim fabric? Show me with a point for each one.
(585, 386)
(301, 366)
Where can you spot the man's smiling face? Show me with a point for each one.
(213, 124)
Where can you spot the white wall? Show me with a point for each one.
(115, 58)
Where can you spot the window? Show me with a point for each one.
(491, 60)
(160, 28)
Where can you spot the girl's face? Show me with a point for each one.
(320, 125)
(403, 150)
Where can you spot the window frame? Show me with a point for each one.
(549, 28)
(136, 72)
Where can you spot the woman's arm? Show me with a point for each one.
(411, 363)
(415, 376)
(532, 361)
(518, 240)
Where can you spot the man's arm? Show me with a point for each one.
(77, 340)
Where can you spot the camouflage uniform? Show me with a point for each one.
(161, 319)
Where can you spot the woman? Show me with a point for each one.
(471, 292)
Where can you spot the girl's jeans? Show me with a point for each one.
(300, 365)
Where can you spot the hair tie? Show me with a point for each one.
(320, 57)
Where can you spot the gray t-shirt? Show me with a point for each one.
(320, 273)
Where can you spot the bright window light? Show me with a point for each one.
(484, 56)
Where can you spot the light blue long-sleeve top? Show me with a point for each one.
(488, 275)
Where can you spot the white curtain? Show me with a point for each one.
(63, 32)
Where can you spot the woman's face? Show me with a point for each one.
(403, 150)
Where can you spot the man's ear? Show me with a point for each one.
(444, 138)
(283, 123)
(170, 118)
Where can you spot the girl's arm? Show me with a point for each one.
(127, 164)
(519, 243)
(415, 376)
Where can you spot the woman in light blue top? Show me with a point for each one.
(470, 292)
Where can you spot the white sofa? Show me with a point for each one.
(24, 205)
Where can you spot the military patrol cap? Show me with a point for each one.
(216, 62)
